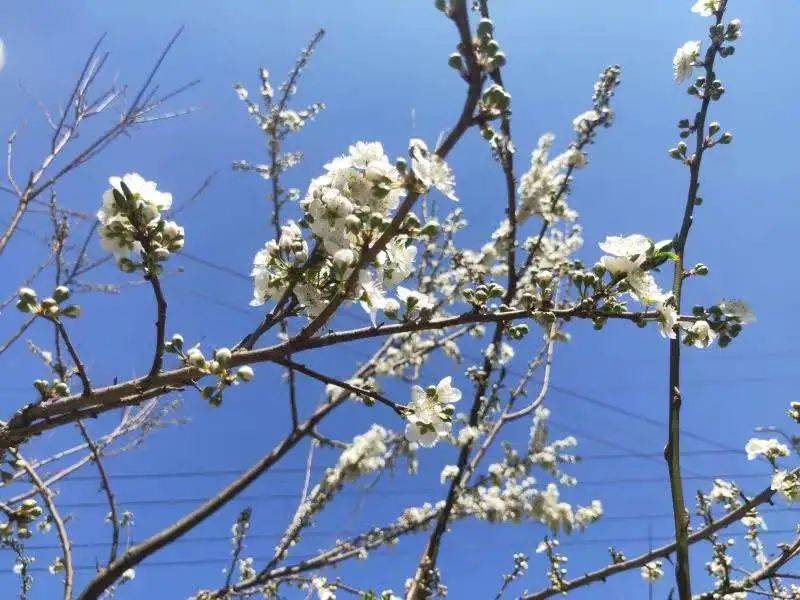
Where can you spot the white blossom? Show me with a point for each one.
(739, 310)
(540, 188)
(430, 412)
(397, 260)
(787, 484)
(415, 300)
(685, 59)
(431, 170)
(668, 319)
(585, 121)
(448, 472)
(467, 435)
(724, 493)
(505, 355)
(702, 334)
(769, 449)
(323, 589)
(128, 223)
(245, 373)
(634, 247)
(706, 8)
(652, 571)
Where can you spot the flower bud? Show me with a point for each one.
(49, 306)
(391, 308)
(126, 265)
(544, 278)
(456, 61)
(430, 229)
(222, 356)
(61, 293)
(73, 311)
(344, 258)
(161, 254)
(61, 388)
(27, 295)
(352, 223)
(195, 358)
(485, 28)
(245, 373)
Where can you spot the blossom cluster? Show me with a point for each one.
(132, 226)
(218, 366)
(631, 260)
(368, 453)
(785, 482)
(347, 209)
(430, 412)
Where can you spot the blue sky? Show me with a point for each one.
(382, 72)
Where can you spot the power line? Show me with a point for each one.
(414, 492)
(559, 389)
(242, 498)
(188, 562)
(210, 539)
(301, 470)
(223, 560)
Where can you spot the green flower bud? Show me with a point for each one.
(430, 229)
(245, 373)
(61, 293)
(73, 311)
(222, 356)
(61, 388)
(126, 265)
(27, 295)
(456, 61)
(485, 28)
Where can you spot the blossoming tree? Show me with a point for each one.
(380, 234)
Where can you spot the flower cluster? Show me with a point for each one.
(787, 483)
(430, 412)
(630, 262)
(685, 60)
(347, 209)
(770, 449)
(652, 571)
(368, 453)
(219, 366)
(50, 307)
(132, 224)
(20, 520)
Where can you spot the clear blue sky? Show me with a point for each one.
(382, 72)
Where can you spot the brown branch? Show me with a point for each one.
(87, 386)
(106, 485)
(141, 551)
(47, 497)
(361, 392)
(161, 324)
(788, 552)
(732, 517)
(674, 397)
(33, 419)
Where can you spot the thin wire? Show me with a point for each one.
(210, 539)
